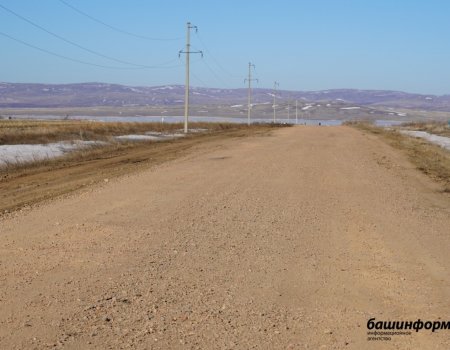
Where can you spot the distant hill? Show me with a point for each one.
(13, 95)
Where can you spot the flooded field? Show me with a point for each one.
(195, 119)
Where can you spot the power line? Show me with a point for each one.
(213, 57)
(215, 75)
(213, 72)
(74, 59)
(199, 80)
(115, 28)
(78, 45)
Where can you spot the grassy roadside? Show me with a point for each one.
(436, 128)
(40, 132)
(22, 186)
(431, 159)
(44, 132)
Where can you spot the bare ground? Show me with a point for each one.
(292, 241)
(429, 158)
(29, 183)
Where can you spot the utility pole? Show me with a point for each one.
(275, 84)
(296, 111)
(186, 88)
(249, 80)
(289, 111)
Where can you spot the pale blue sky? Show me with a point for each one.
(305, 45)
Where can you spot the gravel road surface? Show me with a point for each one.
(288, 241)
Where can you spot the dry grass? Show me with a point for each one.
(436, 128)
(36, 132)
(431, 159)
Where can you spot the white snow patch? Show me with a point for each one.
(154, 136)
(200, 94)
(436, 139)
(139, 138)
(168, 87)
(134, 90)
(236, 106)
(350, 108)
(197, 130)
(27, 153)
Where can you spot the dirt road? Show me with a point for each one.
(289, 241)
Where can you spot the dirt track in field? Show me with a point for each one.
(291, 241)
